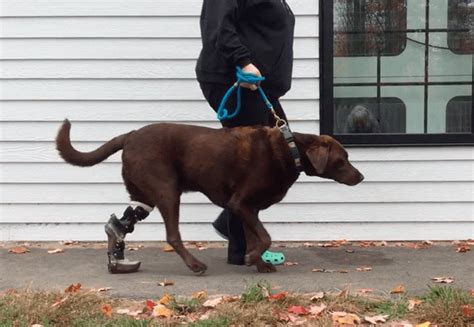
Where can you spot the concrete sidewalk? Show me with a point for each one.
(87, 265)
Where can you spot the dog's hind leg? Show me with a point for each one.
(116, 229)
(168, 198)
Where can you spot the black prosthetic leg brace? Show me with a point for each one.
(116, 229)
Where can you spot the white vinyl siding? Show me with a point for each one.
(113, 66)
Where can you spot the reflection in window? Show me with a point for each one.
(458, 115)
(369, 27)
(461, 17)
(365, 115)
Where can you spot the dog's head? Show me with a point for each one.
(329, 159)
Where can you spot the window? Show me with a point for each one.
(397, 71)
(461, 26)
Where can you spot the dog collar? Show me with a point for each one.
(286, 132)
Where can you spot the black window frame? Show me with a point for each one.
(326, 86)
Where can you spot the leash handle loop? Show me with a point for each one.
(243, 77)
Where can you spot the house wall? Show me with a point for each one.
(112, 66)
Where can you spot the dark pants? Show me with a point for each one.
(252, 112)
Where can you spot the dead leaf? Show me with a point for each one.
(199, 295)
(366, 244)
(383, 243)
(341, 271)
(308, 245)
(364, 290)
(413, 303)
(376, 319)
(316, 310)
(426, 242)
(345, 318)
(58, 250)
(123, 311)
(107, 310)
(103, 289)
(298, 310)
(161, 311)
(467, 310)
(425, 324)
(68, 242)
(37, 325)
(398, 289)
(317, 296)
(212, 303)
(278, 297)
(334, 244)
(472, 291)
(350, 251)
(18, 250)
(418, 246)
(73, 288)
(289, 263)
(443, 280)
(364, 269)
(281, 316)
(166, 283)
(168, 248)
(165, 299)
(149, 305)
(132, 248)
(463, 248)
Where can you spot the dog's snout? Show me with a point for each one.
(361, 177)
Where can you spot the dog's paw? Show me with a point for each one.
(198, 267)
(263, 267)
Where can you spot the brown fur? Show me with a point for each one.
(244, 169)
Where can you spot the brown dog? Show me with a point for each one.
(245, 169)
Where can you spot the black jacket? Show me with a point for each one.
(237, 32)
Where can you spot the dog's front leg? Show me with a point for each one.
(261, 240)
(252, 241)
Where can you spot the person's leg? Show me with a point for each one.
(253, 112)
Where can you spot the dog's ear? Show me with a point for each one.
(318, 155)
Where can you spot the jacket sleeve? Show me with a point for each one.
(226, 12)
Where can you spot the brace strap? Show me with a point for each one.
(135, 204)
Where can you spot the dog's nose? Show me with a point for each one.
(361, 178)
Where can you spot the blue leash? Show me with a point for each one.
(242, 77)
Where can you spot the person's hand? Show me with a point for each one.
(250, 68)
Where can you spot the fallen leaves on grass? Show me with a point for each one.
(277, 297)
(467, 311)
(166, 283)
(19, 250)
(162, 311)
(413, 303)
(376, 319)
(212, 303)
(425, 324)
(107, 310)
(149, 305)
(398, 289)
(364, 269)
(364, 290)
(298, 310)
(59, 302)
(317, 296)
(471, 291)
(58, 250)
(165, 299)
(73, 288)
(443, 280)
(342, 317)
(199, 295)
(316, 310)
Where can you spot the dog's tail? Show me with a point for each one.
(85, 159)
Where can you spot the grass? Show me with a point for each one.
(444, 305)
(440, 305)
